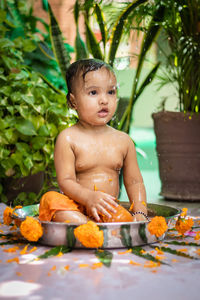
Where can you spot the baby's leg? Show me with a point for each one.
(69, 216)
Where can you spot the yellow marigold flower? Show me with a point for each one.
(7, 220)
(144, 203)
(184, 212)
(183, 225)
(31, 229)
(157, 226)
(59, 254)
(89, 235)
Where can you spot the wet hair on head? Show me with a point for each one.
(84, 66)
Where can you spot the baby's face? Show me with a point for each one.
(95, 97)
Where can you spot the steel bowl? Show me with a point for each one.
(116, 235)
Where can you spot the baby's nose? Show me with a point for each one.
(103, 99)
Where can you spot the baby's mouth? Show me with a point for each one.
(103, 112)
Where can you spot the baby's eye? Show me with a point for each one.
(112, 92)
(93, 92)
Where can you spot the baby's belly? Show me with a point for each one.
(107, 182)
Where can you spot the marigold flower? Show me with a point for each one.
(15, 259)
(157, 226)
(24, 250)
(31, 229)
(11, 250)
(184, 212)
(7, 220)
(66, 267)
(96, 265)
(83, 265)
(89, 235)
(183, 225)
(131, 262)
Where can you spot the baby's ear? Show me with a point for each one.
(72, 101)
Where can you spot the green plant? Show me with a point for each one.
(181, 26)
(31, 113)
(111, 37)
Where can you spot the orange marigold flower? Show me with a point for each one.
(197, 236)
(17, 222)
(89, 235)
(11, 250)
(7, 220)
(24, 250)
(31, 229)
(96, 265)
(184, 212)
(15, 259)
(66, 267)
(151, 264)
(183, 225)
(131, 262)
(157, 226)
(83, 265)
(33, 249)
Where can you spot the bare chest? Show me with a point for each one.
(96, 153)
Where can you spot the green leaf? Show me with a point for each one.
(137, 251)
(125, 236)
(183, 243)
(142, 233)
(54, 251)
(104, 256)
(25, 127)
(93, 43)
(43, 131)
(71, 240)
(176, 252)
(60, 52)
(38, 142)
(102, 23)
(80, 47)
(118, 29)
(45, 5)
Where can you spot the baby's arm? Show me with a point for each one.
(133, 181)
(95, 201)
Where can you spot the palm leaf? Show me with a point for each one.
(60, 52)
(118, 29)
(55, 251)
(104, 256)
(102, 24)
(176, 252)
(93, 43)
(148, 39)
(138, 251)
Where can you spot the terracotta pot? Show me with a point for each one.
(178, 150)
(32, 183)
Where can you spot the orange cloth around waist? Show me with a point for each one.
(53, 201)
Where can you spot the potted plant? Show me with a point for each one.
(177, 133)
(31, 115)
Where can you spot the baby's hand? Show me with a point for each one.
(100, 203)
